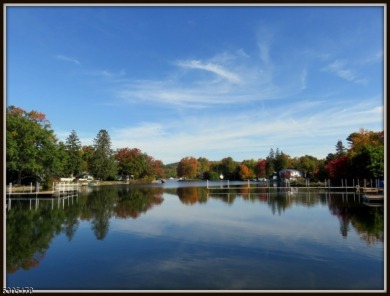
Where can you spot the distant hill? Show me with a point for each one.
(171, 170)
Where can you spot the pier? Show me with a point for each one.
(60, 193)
(286, 185)
(58, 190)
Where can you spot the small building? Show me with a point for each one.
(289, 174)
(85, 177)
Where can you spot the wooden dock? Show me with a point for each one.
(59, 190)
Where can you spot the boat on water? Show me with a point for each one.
(373, 197)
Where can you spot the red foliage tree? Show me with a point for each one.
(261, 168)
(338, 168)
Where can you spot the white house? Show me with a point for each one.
(290, 174)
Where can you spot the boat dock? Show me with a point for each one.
(59, 193)
(57, 188)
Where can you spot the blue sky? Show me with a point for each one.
(209, 81)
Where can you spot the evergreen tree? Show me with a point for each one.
(103, 164)
(270, 168)
(340, 149)
(73, 148)
(281, 160)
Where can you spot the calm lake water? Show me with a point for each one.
(182, 236)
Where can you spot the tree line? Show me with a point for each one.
(34, 153)
(364, 159)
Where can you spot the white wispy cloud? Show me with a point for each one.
(213, 68)
(264, 53)
(295, 128)
(67, 59)
(341, 69)
(241, 52)
(373, 58)
(110, 74)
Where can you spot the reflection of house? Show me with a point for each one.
(289, 174)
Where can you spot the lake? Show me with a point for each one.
(184, 236)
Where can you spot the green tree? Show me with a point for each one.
(86, 155)
(281, 160)
(73, 149)
(270, 162)
(103, 164)
(31, 146)
(366, 154)
(368, 162)
(228, 168)
(307, 164)
(203, 167)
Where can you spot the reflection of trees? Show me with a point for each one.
(123, 202)
(368, 221)
(279, 202)
(370, 228)
(192, 195)
(101, 203)
(29, 233)
(223, 195)
(71, 221)
(131, 202)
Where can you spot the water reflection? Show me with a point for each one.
(30, 230)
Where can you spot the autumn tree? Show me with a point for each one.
(130, 162)
(366, 154)
(188, 167)
(103, 162)
(135, 163)
(338, 168)
(261, 168)
(32, 150)
(158, 168)
(244, 173)
(365, 137)
(251, 164)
